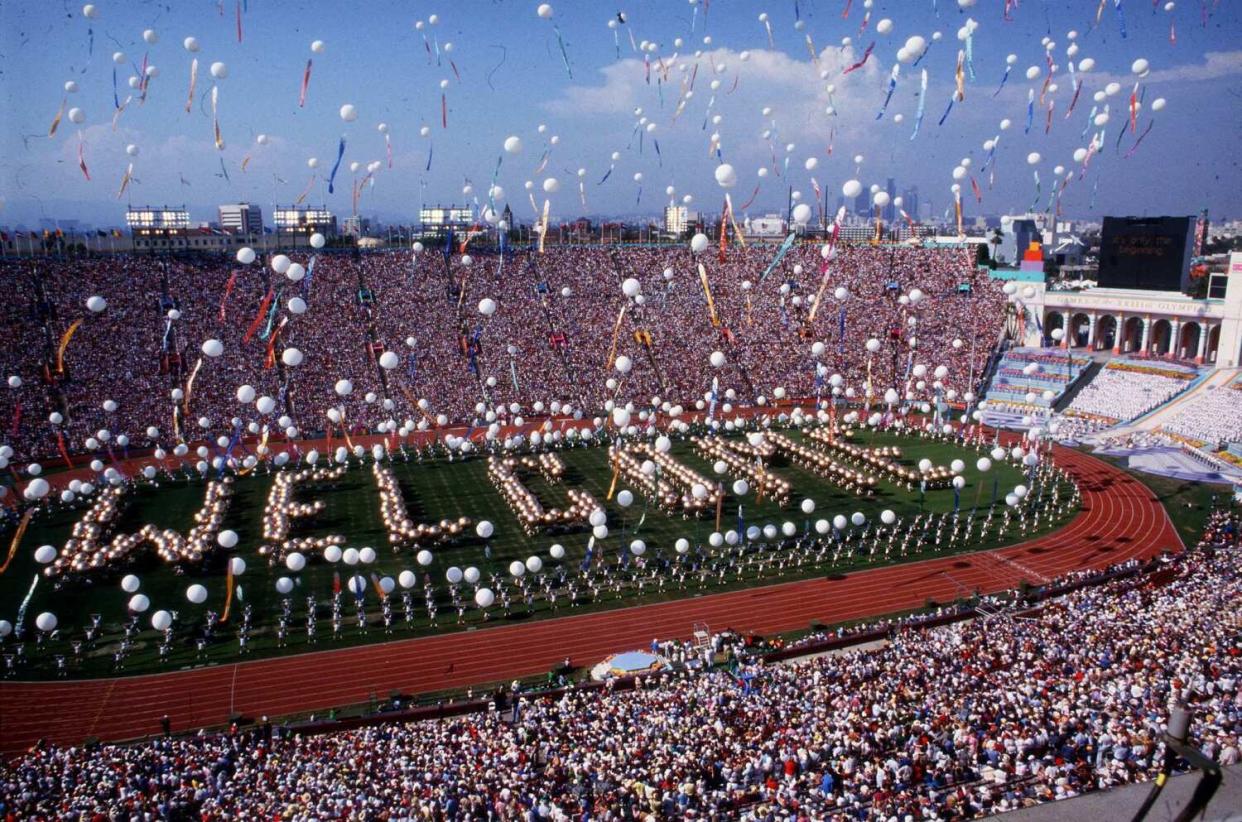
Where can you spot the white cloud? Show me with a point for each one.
(794, 90)
(1214, 66)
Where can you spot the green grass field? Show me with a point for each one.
(434, 489)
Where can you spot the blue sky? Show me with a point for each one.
(511, 78)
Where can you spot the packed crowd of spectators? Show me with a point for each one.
(960, 721)
(549, 339)
(1134, 441)
(1119, 394)
(1073, 429)
(1212, 416)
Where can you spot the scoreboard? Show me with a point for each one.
(1147, 253)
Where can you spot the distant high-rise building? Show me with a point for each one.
(164, 221)
(769, 225)
(677, 218)
(241, 218)
(355, 226)
(910, 202)
(440, 219)
(862, 205)
(304, 220)
(890, 210)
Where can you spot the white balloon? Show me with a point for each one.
(36, 489)
(349, 112)
(726, 177)
(196, 594)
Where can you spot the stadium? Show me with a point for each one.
(846, 513)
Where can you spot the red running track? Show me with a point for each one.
(1120, 519)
